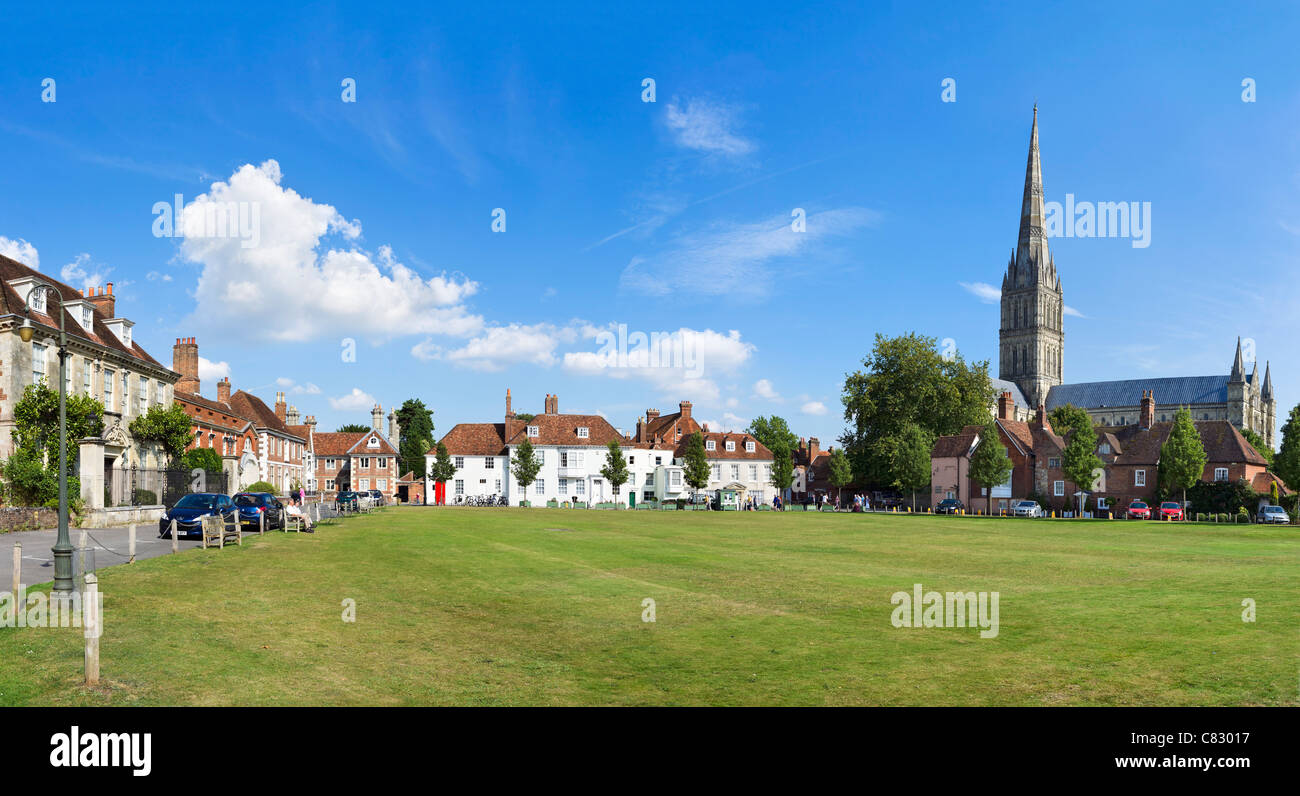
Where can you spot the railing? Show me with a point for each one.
(139, 486)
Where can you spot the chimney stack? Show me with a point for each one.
(281, 408)
(685, 407)
(651, 415)
(292, 417)
(552, 405)
(1006, 406)
(185, 361)
(223, 390)
(393, 430)
(1041, 421)
(509, 412)
(376, 419)
(1147, 413)
(814, 445)
(310, 422)
(103, 301)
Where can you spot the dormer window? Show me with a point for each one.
(531, 431)
(1104, 448)
(87, 317)
(583, 432)
(38, 300)
(749, 447)
(373, 443)
(731, 445)
(710, 445)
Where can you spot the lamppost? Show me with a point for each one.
(62, 549)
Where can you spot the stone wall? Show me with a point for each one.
(20, 518)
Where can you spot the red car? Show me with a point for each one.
(1170, 510)
(1138, 510)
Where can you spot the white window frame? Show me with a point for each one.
(1218, 470)
(749, 447)
(459, 462)
(584, 432)
(710, 445)
(539, 486)
(489, 463)
(531, 431)
(1139, 478)
(1058, 489)
(731, 445)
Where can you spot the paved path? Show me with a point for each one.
(110, 546)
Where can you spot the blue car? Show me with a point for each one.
(252, 505)
(190, 510)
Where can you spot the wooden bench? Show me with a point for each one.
(215, 531)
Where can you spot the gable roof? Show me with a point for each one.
(255, 409)
(563, 430)
(1178, 391)
(1223, 443)
(474, 439)
(954, 445)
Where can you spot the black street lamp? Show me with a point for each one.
(62, 549)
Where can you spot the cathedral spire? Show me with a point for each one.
(1267, 393)
(1031, 245)
(1238, 374)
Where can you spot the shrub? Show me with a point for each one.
(145, 497)
(1221, 518)
(260, 486)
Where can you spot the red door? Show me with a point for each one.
(440, 493)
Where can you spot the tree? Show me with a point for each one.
(1080, 462)
(782, 468)
(36, 423)
(1257, 442)
(772, 431)
(695, 467)
(909, 460)
(524, 417)
(1068, 416)
(1287, 461)
(171, 428)
(443, 468)
(989, 464)
(1182, 457)
(205, 459)
(906, 380)
(415, 435)
(524, 466)
(353, 428)
(615, 469)
(841, 472)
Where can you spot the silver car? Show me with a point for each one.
(1026, 508)
(1273, 514)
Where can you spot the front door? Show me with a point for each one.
(597, 490)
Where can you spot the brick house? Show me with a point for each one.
(357, 461)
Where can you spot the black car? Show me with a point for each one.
(347, 498)
(190, 510)
(252, 505)
(949, 506)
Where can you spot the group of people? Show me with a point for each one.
(861, 503)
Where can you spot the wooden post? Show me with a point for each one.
(90, 619)
(175, 541)
(261, 523)
(130, 544)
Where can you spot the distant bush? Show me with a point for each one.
(144, 497)
(260, 486)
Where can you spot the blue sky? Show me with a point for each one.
(376, 216)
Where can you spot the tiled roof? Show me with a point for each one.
(12, 303)
(474, 439)
(335, 443)
(563, 430)
(1177, 391)
(667, 426)
(362, 445)
(250, 406)
(953, 445)
(1223, 443)
(720, 452)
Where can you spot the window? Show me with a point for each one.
(38, 362)
(1103, 448)
(85, 376)
(731, 445)
(373, 443)
(382, 484)
(710, 445)
(38, 299)
(649, 479)
(735, 472)
(1220, 473)
(459, 461)
(749, 447)
(109, 378)
(329, 464)
(675, 478)
(365, 462)
(767, 472)
(1058, 488)
(498, 486)
(582, 487)
(365, 484)
(126, 396)
(541, 457)
(489, 463)
(659, 460)
(1139, 478)
(383, 463)
(564, 486)
(87, 317)
(717, 472)
(753, 472)
(531, 431)
(540, 486)
(1102, 504)
(1054, 462)
(329, 483)
(583, 432)
(460, 487)
(142, 396)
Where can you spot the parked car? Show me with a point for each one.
(949, 506)
(1273, 514)
(190, 510)
(1137, 510)
(254, 504)
(1169, 510)
(886, 500)
(347, 498)
(376, 495)
(1026, 508)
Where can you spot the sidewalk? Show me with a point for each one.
(110, 546)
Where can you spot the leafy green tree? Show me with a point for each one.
(353, 428)
(261, 486)
(206, 459)
(1287, 462)
(782, 467)
(36, 423)
(906, 380)
(1182, 457)
(615, 469)
(524, 417)
(1068, 416)
(841, 472)
(1080, 462)
(525, 466)
(1257, 442)
(415, 432)
(443, 468)
(772, 431)
(909, 460)
(989, 464)
(695, 464)
(169, 427)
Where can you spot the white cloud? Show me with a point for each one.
(292, 387)
(729, 422)
(156, 276)
(813, 408)
(499, 346)
(1068, 310)
(707, 126)
(763, 389)
(354, 401)
(83, 272)
(299, 292)
(210, 371)
(733, 258)
(20, 250)
(674, 364)
(983, 291)
(732, 403)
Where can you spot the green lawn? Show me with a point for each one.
(544, 606)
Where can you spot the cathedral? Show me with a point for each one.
(1031, 350)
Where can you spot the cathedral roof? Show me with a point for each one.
(1002, 385)
(1177, 391)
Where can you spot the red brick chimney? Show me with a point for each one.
(1040, 419)
(814, 446)
(1147, 413)
(1006, 406)
(185, 361)
(552, 405)
(685, 407)
(101, 300)
(280, 406)
(509, 412)
(651, 415)
(223, 390)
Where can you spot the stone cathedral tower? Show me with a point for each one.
(1032, 339)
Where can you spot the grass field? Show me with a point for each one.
(544, 606)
